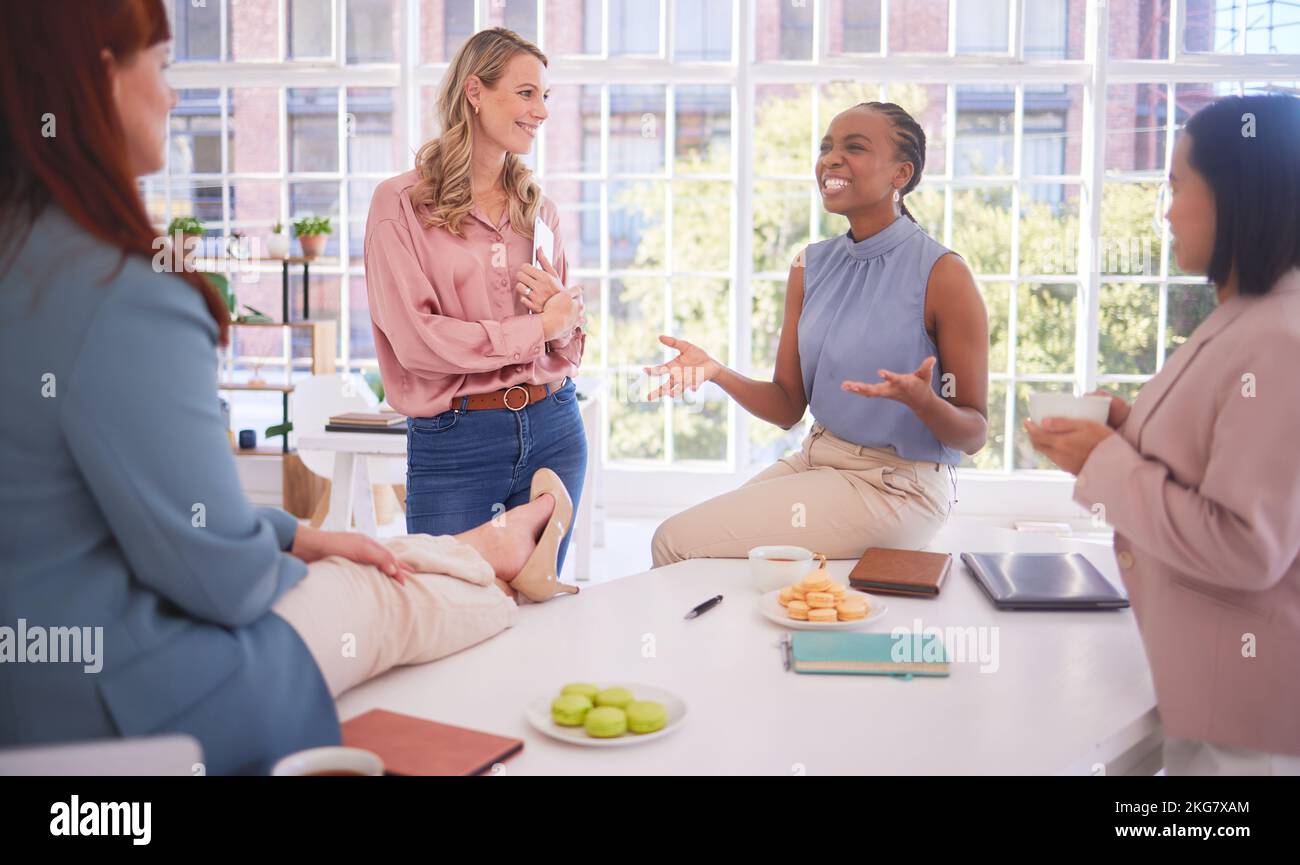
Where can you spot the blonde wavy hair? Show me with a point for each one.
(442, 196)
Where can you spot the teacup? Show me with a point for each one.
(779, 565)
(330, 760)
(1088, 407)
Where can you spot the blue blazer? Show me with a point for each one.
(120, 508)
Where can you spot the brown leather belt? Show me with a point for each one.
(514, 398)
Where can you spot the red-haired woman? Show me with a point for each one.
(122, 522)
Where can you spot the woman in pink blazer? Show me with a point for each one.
(1201, 478)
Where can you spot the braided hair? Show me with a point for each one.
(909, 141)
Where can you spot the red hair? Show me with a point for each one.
(51, 63)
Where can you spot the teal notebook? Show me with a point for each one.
(857, 654)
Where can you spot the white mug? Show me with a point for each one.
(330, 760)
(776, 566)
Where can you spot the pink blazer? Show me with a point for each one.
(1202, 486)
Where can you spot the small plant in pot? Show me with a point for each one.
(277, 245)
(312, 231)
(187, 227)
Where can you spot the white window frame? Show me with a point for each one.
(656, 489)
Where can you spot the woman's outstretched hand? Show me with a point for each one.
(912, 389)
(688, 371)
(311, 545)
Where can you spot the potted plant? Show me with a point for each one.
(186, 227)
(277, 245)
(311, 231)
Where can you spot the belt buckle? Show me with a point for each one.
(506, 397)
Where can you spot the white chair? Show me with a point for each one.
(311, 404)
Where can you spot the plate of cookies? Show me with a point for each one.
(818, 603)
(607, 715)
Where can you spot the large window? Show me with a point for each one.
(680, 152)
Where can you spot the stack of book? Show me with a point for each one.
(367, 421)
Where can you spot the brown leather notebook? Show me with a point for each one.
(901, 572)
(416, 746)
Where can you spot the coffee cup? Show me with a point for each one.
(779, 565)
(331, 760)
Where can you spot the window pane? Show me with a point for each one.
(635, 320)
(517, 15)
(838, 96)
(1129, 244)
(254, 205)
(783, 130)
(985, 129)
(702, 225)
(568, 28)
(196, 133)
(701, 314)
(444, 27)
(767, 312)
(781, 223)
(254, 125)
(853, 27)
(633, 27)
(636, 129)
(313, 129)
(311, 29)
(373, 144)
(1049, 228)
(1140, 31)
(1273, 27)
(196, 30)
(703, 121)
(1053, 124)
(359, 194)
(981, 228)
(1135, 127)
(372, 31)
(1045, 320)
(983, 27)
(703, 30)
(1130, 315)
(636, 223)
(254, 30)
(1054, 30)
(361, 335)
(918, 27)
(572, 131)
(783, 30)
(199, 199)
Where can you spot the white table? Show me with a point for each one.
(1072, 694)
(350, 486)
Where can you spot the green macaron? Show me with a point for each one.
(569, 710)
(619, 698)
(582, 689)
(606, 722)
(646, 716)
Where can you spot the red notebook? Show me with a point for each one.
(416, 746)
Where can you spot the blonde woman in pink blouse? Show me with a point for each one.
(476, 345)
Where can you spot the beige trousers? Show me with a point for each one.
(357, 622)
(832, 497)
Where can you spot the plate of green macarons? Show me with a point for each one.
(607, 714)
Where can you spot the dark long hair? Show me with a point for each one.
(1248, 149)
(909, 140)
(50, 64)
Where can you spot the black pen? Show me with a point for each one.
(705, 607)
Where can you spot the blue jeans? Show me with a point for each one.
(466, 467)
